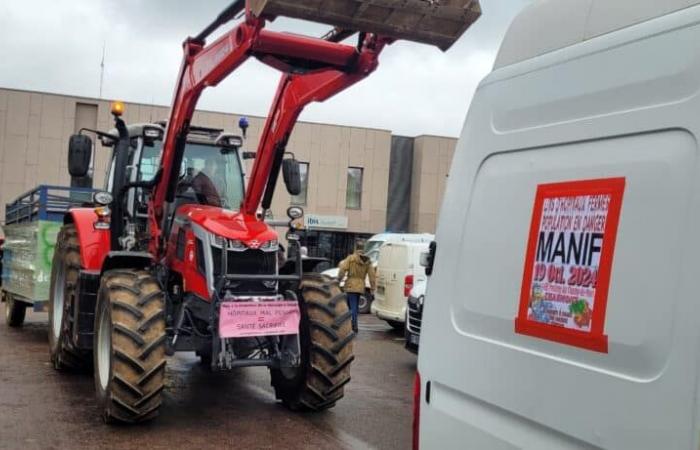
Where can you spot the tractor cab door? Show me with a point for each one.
(148, 157)
(141, 166)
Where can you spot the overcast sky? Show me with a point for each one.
(56, 46)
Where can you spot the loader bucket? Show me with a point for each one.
(434, 22)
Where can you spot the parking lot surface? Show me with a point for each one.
(42, 408)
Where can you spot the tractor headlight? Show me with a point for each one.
(295, 212)
(237, 246)
(270, 246)
(102, 198)
(235, 141)
(153, 133)
(217, 241)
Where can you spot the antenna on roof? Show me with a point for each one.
(102, 66)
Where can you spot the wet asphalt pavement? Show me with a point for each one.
(41, 408)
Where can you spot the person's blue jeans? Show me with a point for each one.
(354, 305)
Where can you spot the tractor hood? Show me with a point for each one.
(228, 224)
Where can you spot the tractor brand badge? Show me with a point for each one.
(568, 263)
(254, 244)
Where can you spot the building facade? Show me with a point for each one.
(357, 181)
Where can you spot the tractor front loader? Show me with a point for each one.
(177, 256)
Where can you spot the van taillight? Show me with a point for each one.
(416, 411)
(407, 285)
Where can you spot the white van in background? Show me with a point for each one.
(563, 309)
(398, 269)
(372, 247)
(374, 243)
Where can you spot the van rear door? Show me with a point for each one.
(532, 340)
(393, 264)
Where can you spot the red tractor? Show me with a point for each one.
(176, 256)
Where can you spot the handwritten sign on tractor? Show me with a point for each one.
(250, 318)
(568, 262)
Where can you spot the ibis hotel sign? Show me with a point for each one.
(314, 222)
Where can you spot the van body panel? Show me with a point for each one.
(396, 261)
(624, 105)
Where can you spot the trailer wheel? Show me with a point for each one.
(326, 349)
(65, 269)
(129, 346)
(15, 311)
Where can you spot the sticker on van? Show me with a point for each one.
(568, 262)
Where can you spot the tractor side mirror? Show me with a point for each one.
(292, 176)
(79, 154)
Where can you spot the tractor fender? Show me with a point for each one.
(126, 260)
(94, 243)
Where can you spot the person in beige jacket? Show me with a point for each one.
(357, 267)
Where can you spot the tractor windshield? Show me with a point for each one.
(210, 175)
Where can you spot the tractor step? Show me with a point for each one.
(434, 22)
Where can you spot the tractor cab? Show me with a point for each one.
(211, 172)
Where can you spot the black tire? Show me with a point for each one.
(326, 349)
(129, 346)
(15, 311)
(396, 325)
(204, 360)
(65, 270)
(365, 303)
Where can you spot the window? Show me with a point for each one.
(301, 198)
(220, 166)
(353, 198)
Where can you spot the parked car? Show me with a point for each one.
(563, 309)
(414, 315)
(398, 269)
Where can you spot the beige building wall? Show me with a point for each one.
(35, 128)
(432, 157)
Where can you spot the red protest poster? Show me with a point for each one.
(569, 257)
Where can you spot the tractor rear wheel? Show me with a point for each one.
(65, 269)
(129, 346)
(326, 349)
(15, 311)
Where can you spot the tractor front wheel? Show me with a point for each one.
(129, 346)
(326, 349)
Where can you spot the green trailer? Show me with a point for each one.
(32, 223)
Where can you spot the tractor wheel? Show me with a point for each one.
(14, 311)
(326, 349)
(65, 269)
(129, 346)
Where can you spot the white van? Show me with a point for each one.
(398, 269)
(374, 243)
(372, 247)
(563, 308)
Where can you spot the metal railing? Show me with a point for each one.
(46, 203)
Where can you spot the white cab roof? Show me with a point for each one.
(548, 25)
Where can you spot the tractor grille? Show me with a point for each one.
(248, 262)
(415, 315)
